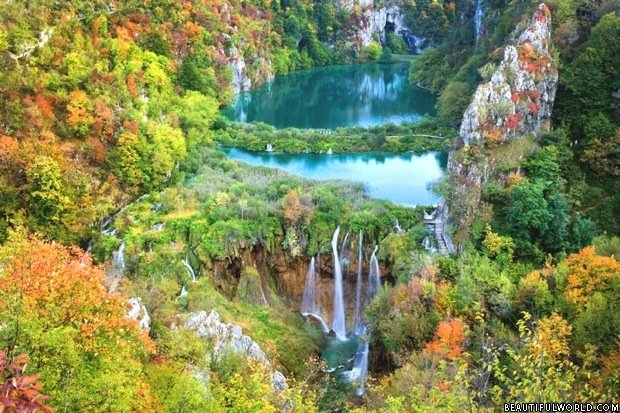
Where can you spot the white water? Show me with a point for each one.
(118, 261)
(159, 226)
(184, 292)
(339, 322)
(478, 15)
(358, 373)
(190, 270)
(344, 251)
(310, 306)
(398, 228)
(358, 289)
(374, 278)
(309, 303)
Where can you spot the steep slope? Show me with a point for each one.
(517, 102)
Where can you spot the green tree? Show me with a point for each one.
(47, 191)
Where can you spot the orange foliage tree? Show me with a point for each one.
(449, 340)
(56, 309)
(588, 273)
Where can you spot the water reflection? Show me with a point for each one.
(401, 178)
(329, 97)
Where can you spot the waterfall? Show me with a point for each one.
(344, 251)
(118, 261)
(358, 289)
(158, 227)
(358, 373)
(374, 278)
(478, 15)
(338, 324)
(183, 293)
(269, 148)
(397, 227)
(309, 305)
(190, 270)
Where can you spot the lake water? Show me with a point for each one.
(401, 178)
(334, 96)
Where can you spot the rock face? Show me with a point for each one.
(248, 68)
(378, 21)
(228, 336)
(138, 312)
(240, 79)
(519, 97)
(516, 102)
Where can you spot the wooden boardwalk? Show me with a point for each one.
(438, 220)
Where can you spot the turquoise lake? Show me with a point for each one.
(404, 179)
(335, 96)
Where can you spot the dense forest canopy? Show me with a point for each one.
(135, 256)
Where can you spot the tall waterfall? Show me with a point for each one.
(339, 321)
(478, 15)
(358, 289)
(190, 270)
(360, 361)
(309, 304)
(374, 278)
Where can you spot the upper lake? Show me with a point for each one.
(335, 96)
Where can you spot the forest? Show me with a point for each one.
(143, 270)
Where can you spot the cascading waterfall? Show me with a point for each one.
(309, 304)
(360, 365)
(355, 369)
(478, 15)
(358, 289)
(190, 270)
(344, 250)
(374, 278)
(360, 361)
(118, 261)
(398, 228)
(339, 322)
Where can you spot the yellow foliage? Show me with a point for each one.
(552, 338)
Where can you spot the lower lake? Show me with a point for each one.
(404, 179)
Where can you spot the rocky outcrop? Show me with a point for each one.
(519, 97)
(240, 79)
(516, 102)
(378, 21)
(226, 337)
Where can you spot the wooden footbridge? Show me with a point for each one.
(438, 220)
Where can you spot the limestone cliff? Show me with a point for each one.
(229, 337)
(377, 20)
(516, 103)
(519, 97)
